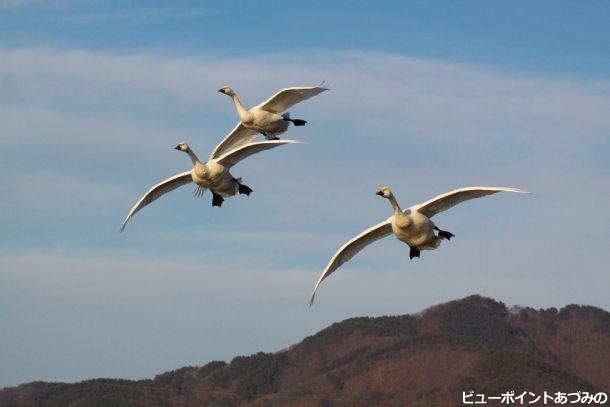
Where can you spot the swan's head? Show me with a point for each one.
(227, 91)
(384, 192)
(182, 146)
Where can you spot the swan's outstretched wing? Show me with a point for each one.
(239, 136)
(235, 156)
(349, 249)
(450, 199)
(288, 97)
(155, 192)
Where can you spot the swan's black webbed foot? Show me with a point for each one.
(414, 252)
(244, 189)
(241, 188)
(217, 200)
(444, 234)
(298, 122)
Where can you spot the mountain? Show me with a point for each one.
(427, 359)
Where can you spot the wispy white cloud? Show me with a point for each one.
(77, 108)
(45, 4)
(61, 274)
(17, 3)
(105, 303)
(72, 196)
(98, 106)
(87, 132)
(398, 89)
(103, 11)
(133, 17)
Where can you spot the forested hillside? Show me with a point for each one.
(427, 359)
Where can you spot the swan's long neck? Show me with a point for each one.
(395, 205)
(241, 110)
(192, 155)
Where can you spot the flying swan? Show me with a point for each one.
(411, 226)
(213, 174)
(266, 118)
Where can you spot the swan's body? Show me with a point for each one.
(214, 175)
(267, 118)
(412, 226)
(264, 122)
(416, 230)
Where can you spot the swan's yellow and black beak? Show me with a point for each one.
(177, 147)
(380, 193)
(221, 90)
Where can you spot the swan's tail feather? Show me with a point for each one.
(199, 191)
(286, 116)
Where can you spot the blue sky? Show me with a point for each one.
(426, 97)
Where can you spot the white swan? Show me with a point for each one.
(266, 118)
(213, 174)
(411, 226)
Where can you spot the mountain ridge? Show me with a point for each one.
(430, 358)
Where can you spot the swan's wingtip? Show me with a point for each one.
(279, 141)
(124, 225)
(512, 189)
(313, 294)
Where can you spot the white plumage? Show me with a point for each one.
(266, 118)
(411, 226)
(214, 174)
